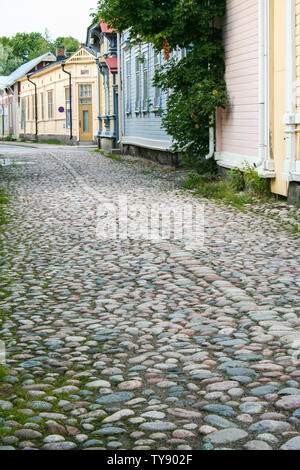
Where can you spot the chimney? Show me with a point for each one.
(60, 52)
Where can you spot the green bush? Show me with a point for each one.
(249, 179)
(255, 183)
(194, 84)
(237, 179)
(8, 138)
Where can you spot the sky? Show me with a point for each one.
(60, 17)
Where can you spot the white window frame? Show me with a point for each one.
(137, 84)
(157, 90)
(128, 84)
(50, 105)
(145, 82)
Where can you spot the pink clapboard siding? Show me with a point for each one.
(238, 124)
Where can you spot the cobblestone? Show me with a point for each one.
(142, 344)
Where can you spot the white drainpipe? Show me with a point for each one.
(290, 116)
(211, 143)
(263, 59)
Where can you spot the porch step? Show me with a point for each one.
(85, 143)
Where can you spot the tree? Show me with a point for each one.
(70, 44)
(196, 83)
(8, 62)
(23, 47)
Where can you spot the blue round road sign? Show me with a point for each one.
(61, 109)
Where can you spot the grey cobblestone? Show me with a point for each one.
(136, 344)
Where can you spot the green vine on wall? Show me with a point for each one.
(195, 84)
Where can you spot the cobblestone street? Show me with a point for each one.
(136, 344)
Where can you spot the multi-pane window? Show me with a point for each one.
(33, 107)
(6, 118)
(68, 107)
(128, 86)
(85, 94)
(42, 107)
(145, 83)
(28, 109)
(157, 91)
(23, 113)
(106, 93)
(11, 115)
(50, 104)
(137, 84)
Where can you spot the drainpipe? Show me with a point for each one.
(36, 108)
(263, 78)
(211, 143)
(99, 104)
(120, 95)
(71, 111)
(290, 120)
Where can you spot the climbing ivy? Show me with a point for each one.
(195, 84)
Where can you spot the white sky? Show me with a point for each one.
(60, 17)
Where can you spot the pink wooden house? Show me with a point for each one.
(242, 129)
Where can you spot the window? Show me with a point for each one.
(50, 104)
(23, 113)
(11, 115)
(68, 107)
(85, 116)
(106, 46)
(106, 93)
(137, 84)
(42, 107)
(128, 87)
(145, 83)
(33, 107)
(157, 91)
(85, 72)
(6, 118)
(28, 109)
(85, 94)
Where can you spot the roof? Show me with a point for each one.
(112, 63)
(66, 60)
(25, 68)
(105, 28)
(3, 80)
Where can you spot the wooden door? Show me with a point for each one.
(85, 113)
(85, 122)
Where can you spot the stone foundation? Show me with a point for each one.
(294, 192)
(61, 139)
(107, 145)
(158, 156)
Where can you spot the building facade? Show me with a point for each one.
(59, 101)
(142, 103)
(9, 94)
(260, 125)
(103, 41)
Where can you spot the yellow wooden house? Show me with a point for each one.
(60, 101)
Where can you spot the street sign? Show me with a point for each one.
(61, 109)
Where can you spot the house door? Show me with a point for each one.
(85, 113)
(85, 122)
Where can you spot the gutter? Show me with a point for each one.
(36, 108)
(71, 110)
